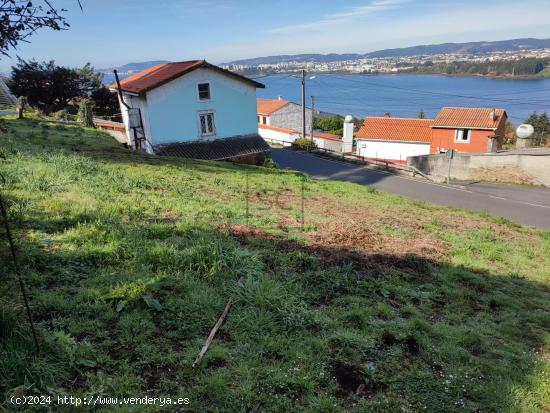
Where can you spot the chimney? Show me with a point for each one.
(347, 140)
(387, 115)
(280, 97)
(493, 115)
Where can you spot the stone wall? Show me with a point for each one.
(531, 168)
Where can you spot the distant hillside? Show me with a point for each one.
(126, 70)
(132, 67)
(465, 48)
(315, 57)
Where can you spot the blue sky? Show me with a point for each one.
(109, 33)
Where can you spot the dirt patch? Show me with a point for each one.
(351, 380)
(330, 254)
(362, 238)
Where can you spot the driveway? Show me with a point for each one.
(521, 204)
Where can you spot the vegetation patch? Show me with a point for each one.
(381, 303)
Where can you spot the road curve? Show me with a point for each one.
(522, 204)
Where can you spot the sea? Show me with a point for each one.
(406, 95)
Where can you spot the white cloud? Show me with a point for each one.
(339, 18)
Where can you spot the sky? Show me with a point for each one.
(109, 33)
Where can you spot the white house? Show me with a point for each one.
(393, 139)
(191, 109)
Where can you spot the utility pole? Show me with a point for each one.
(312, 114)
(303, 103)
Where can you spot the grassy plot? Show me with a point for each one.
(382, 304)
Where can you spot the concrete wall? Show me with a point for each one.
(170, 111)
(509, 167)
(328, 144)
(290, 117)
(273, 136)
(390, 150)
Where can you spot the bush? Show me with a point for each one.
(304, 144)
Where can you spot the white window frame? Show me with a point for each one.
(203, 82)
(460, 132)
(202, 113)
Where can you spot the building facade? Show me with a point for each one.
(393, 139)
(468, 130)
(184, 102)
(282, 114)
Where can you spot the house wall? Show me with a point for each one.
(273, 136)
(141, 103)
(444, 139)
(335, 146)
(172, 108)
(390, 149)
(290, 117)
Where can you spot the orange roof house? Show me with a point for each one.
(396, 129)
(393, 139)
(281, 113)
(468, 129)
(268, 106)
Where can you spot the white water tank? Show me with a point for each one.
(525, 131)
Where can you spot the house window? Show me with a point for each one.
(264, 120)
(462, 135)
(204, 91)
(258, 118)
(206, 124)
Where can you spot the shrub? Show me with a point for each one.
(304, 144)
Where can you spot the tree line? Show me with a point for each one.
(520, 67)
(59, 90)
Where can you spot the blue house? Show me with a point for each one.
(191, 109)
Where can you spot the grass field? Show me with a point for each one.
(382, 304)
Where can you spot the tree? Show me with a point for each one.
(105, 102)
(50, 87)
(421, 115)
(541, 124)
(20, 19)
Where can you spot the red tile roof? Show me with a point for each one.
(327, 136)
(277, 129)
(268, 106)
(475, 118)
(159, 74)
(396, 129)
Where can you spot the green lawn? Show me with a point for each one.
(382, 304)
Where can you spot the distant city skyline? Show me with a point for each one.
(110, 34)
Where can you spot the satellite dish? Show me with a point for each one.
(525, 131)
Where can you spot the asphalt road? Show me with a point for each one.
(522, 204)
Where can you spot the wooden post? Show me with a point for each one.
(303, 211)
(4, 214)
(246, 196)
